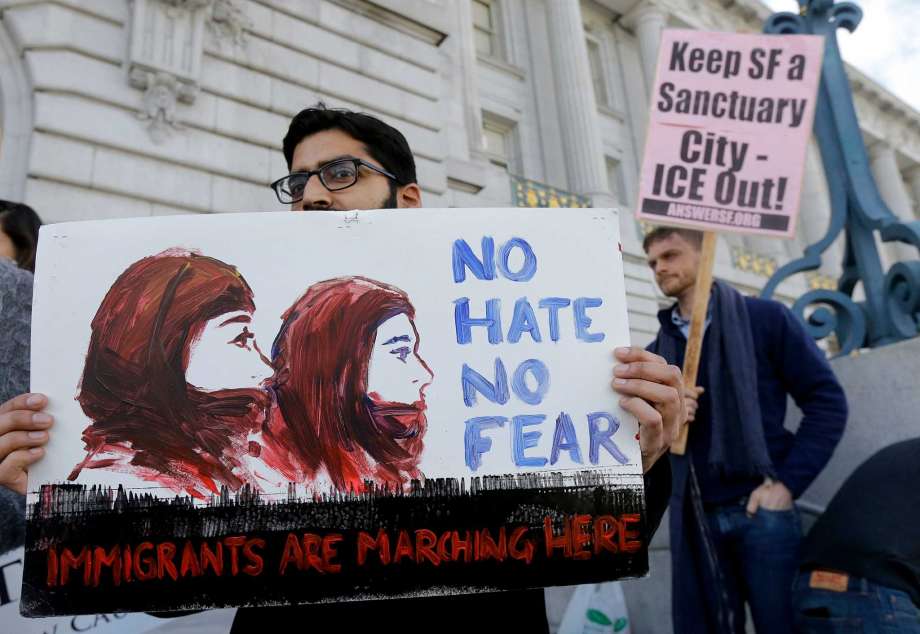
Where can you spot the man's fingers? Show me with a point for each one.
(691, 402)
(25, 420)
(651, 371)
(753, 503)
(633, 354)
(30, 401)
(660, 404)
(14, 468)
(651, 426)
(16, 440)
(656, 393)
(659, 383)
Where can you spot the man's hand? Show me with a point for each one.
(23, 432)
(771, 495)
(652, 392)
(691, 401)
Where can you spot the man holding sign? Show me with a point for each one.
(743, 468)
(729, 126)
(339, 161)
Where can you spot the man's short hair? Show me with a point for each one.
(692, 236)
(384, 143)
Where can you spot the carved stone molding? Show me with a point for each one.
(162, 91)
(715, 15)
(228, 23)
(164, 57)
(426, 20)
(186, 5)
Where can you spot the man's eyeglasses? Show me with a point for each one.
(334, 176)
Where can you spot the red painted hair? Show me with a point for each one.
(134, 388)
(327, 421)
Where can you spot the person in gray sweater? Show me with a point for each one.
(15, 317)
(18, 241)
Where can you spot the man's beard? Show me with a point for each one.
(399, 430)
(390, 202)
(672, 286)
(399, 421)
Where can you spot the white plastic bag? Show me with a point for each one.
(598, 608)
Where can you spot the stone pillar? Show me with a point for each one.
(472, 107)
(894, 193)
(646, 21)
(650, 20)
(815, 212)
(581, 136)
(888, 176)
(913, 175)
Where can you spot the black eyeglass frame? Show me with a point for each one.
(276, 186)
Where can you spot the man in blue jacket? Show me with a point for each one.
(735, 533)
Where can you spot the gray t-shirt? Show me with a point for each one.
(15, 322)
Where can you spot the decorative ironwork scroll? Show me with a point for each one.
(891, 310)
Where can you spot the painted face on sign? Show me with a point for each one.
(171, 376)
(350, 386)
(396, 373)
(226, 355)
(675, 262)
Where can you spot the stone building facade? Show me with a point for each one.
(120, 108)
(116, 108)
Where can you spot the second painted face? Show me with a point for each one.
(396, 373)
(226, 355)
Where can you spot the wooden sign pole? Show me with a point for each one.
(701, 294)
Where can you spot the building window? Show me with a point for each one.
(598, 77)
(499, 142)
(486, 28)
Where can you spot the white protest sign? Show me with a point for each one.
(244, 402)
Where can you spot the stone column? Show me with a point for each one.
(913, 175)
(894, 193)
(650, 20)
(472, 107)
(581, 136)
(815, 212)
(646, 20)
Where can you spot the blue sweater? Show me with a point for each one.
(788, 364)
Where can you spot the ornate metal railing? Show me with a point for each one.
(528, 193)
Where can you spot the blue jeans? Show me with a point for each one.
(864, 607)
(758, 557)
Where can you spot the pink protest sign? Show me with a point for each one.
(730, 119)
